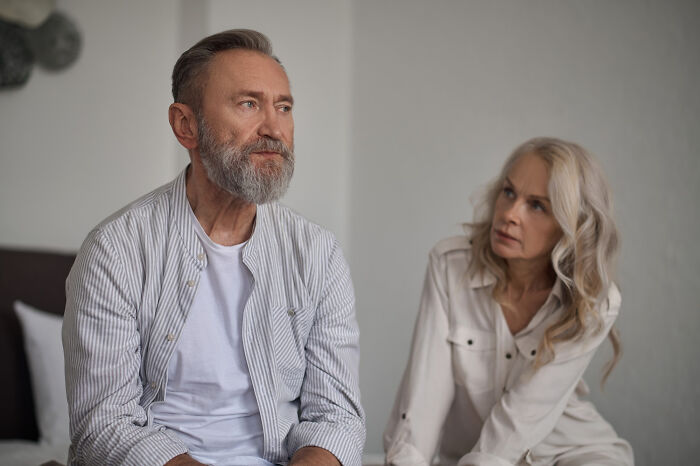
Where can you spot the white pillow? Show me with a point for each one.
(42, 343)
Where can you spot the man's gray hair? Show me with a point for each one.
(188, 81)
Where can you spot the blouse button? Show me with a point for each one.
(291, 313)
(533, 352)
(403, 415)
(469, 342)
(170, 337)
(190, 283)
(508, 356)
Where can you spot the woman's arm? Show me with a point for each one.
(530, 409)
(427, 387)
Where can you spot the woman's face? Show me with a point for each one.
(523, 227)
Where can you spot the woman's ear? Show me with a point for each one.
(184, 124)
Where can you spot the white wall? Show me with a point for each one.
(444, 90)
(78, 144)
(404, 108)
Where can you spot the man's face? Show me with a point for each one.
(245, 124)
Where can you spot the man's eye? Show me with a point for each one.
(508, 192)
(286, 108)
(248, 104)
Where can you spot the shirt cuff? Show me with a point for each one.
(158, 448)
(345, 445)
(404, 454)
(482, 459)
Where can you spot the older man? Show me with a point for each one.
(206, 323)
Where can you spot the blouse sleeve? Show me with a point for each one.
(427, 387)
(528, 412)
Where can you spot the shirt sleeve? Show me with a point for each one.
(427, 388)
(102, 350)
(330, 414)
(529, 410)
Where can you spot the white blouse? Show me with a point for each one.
(470, 385)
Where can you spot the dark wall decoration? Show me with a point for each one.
(32, 31)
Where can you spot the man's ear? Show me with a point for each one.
(184, 124)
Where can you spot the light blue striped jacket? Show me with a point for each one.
(128, 296)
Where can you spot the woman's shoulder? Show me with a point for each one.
(612, 302)
(454, 244)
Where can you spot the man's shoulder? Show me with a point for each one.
(295, 225)
(146, 211)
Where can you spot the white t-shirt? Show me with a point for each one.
(209, 400)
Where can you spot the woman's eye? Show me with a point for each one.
(508, 192)
(537, 205)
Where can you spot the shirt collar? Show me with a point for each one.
(486, 278)
(181, 207)
(481, 279)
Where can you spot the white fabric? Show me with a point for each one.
(27, 453)
(470, 379)
(209, 399)
(42, 344)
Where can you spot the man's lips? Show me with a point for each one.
(266, 153)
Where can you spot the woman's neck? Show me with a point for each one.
(528, 276)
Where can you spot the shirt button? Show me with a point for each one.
(533, 352)
(291, 313)
(403, 416)
(201, 256)
(170, 337)
(508, 356)
(190, 283)
(469, 342)
(154, 385)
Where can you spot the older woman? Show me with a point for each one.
(510, 318)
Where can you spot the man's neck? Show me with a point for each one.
(226, 219)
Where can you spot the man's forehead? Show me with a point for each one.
(247, 65)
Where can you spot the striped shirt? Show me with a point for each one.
(128, 296)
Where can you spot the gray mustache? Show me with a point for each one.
(268, 145)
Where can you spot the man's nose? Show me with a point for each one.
(270, 125)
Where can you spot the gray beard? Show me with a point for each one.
(229, 166)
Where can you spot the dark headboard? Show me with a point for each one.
(38, 279)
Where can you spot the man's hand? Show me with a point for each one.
(184, 460)
(314, 456)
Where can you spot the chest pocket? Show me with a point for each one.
(473, 358)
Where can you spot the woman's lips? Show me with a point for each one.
(504, 236)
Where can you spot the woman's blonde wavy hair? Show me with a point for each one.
(584, 257)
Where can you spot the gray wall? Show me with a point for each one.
(405, 109)
(443, 91)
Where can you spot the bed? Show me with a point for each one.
(33, 431)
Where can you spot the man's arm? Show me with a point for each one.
(102, 349)
(184, 460)
(330, 414)
(313, 456)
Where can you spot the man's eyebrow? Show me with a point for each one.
(531, 196)
(260, 96)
